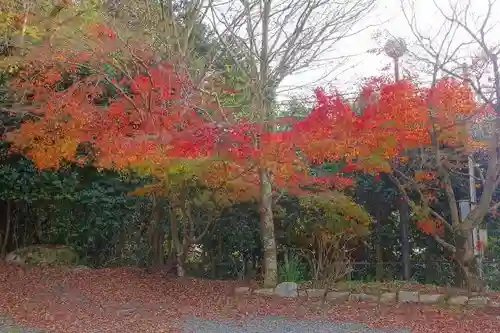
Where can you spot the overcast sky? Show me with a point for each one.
(360, 63)
(388, 16)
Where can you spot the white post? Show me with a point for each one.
(476, 239)
(473, 199)
(477, 234)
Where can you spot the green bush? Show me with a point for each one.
(292, 269)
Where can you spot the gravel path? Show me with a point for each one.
(7, 325)
(263, 325)
(280, 325)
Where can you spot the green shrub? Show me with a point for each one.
(292, 269)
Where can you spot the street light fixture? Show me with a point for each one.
(395, 48)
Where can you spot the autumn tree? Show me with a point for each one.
(53, 66)
(275, 39)
(257, 151)
(113, 102)
(463, 48)
(79, 97)
(415, 135)
(172, 31)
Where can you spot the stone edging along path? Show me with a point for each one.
(400, 296)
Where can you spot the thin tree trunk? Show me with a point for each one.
(266, 189)
(469, 277)
(379, 268)
(267, 229)
(157, 235)
(379, 252)
(39, 229)
(176, 243)
(404, 215)
(430, 270)
(184, 249)
(3, 252)
(120, 244)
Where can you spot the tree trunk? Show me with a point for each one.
(430, 270)
(379, 268)
(157, 246)
(404, 216)
(379, 252)
(8, 218)
(39, 229)
(121, 242)
(464, 256)
(267, 230)
(157, 236)
(176, 243)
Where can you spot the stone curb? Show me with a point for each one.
(401, 296)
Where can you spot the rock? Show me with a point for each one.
(264, 291)
(363, 297)
(457, 300)
(14, 258)
(338, 295)
(286, 289)
(493, 304)
(241, 290)
(315, 292)
(80, 268)
(431, 298)
(355, 297)
(478, 301)
(44, 255)
(372, 290)
(405, 296)
(369, 298)
(388, 297)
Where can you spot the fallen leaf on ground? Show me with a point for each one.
(130, 300)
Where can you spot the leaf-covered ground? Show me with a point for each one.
(129, 300)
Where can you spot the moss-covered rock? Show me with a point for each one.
(44, 255)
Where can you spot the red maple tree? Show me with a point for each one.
(394, 121)
(155, 119)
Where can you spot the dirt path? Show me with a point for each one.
(129, 300)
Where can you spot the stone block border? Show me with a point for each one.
(401, 296)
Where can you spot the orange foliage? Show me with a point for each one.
(395, 117)
(165, 119)
(431, 226)
(160, 122)
(421, 175)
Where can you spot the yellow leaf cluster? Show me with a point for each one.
(339, 212)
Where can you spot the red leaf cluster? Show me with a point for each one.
(431, 226)
(391, 117)
(165, 117)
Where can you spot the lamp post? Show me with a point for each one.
(395, 48)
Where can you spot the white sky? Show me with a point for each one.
(389, 15)
(362, 64)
